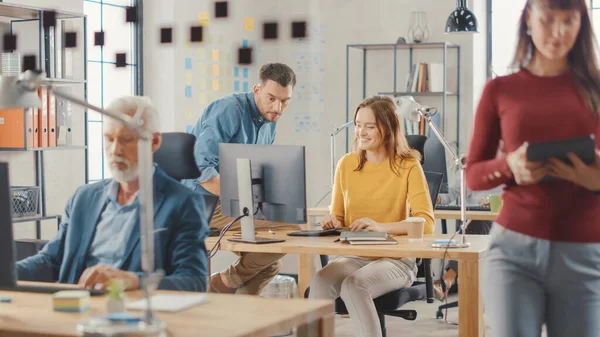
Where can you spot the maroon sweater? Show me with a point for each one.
(523, 107)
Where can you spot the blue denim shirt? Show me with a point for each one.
(230, 119)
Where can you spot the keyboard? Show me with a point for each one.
(52, 289)
(457, 208)
(317, 232)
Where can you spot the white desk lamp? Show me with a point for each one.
(409, 109)
(21, 92)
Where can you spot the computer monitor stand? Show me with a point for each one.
(244, 177)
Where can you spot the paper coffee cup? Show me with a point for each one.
(416, 228)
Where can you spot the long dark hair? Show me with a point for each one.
(581, 58)
(388, 124)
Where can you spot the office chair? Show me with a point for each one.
(417, 142)
(175, 156)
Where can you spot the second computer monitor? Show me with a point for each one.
(272, 176)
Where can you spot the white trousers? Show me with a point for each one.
(358, 281)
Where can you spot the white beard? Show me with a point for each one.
(131, 173)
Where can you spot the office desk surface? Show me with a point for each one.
(326, 246)
(470, 310)
(31, 314)
(438, 214)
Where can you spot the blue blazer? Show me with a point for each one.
(180, 228)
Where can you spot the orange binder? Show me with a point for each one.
(43, 118)
(36, 124)
(51, 119)
(16, 128)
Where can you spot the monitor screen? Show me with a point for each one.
(278, 181)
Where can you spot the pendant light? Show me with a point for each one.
(461, 20)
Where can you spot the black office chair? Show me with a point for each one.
(175, 156)
(417, 142)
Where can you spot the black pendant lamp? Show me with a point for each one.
(461, 20)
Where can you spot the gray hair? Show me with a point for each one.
(131, 104)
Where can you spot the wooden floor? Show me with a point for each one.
(426, 325)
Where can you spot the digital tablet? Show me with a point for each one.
(583, 148)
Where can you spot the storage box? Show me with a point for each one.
(25, 200)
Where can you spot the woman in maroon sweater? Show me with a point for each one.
(543, 263)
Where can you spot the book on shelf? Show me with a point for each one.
(426, 77)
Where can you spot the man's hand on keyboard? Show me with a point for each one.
(100, 276)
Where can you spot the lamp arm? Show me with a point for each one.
(122, 117)
(459, 161)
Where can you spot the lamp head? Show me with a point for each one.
(461, 20)
(21, 91)
(408, 108)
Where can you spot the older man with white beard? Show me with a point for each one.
(99, 237)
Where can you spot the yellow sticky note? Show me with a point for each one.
(188, 78)
(249, 24)
(202, 85)
(215, 70)
(215, 55)
(215, 85)
(202, 70)
(204, 19)
(228, 86)
(203, 98)
(202, 53)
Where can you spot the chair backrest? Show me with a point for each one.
(417, 142)
(210, 204)
(436, 160)
(434, 181)
(175, 156)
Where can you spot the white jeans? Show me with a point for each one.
(358, 281)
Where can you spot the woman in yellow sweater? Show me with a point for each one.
(374, 189)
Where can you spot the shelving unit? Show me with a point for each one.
(444, 47)
(50, 57)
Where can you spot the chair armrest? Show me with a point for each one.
(428, 280)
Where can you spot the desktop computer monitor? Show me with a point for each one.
(265, 182)
(8, 274)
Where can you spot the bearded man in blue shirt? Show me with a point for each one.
(243, 118)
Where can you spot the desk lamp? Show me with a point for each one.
(21, 92)
(409, 109)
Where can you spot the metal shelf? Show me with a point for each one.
(65, 81)
(51, 148)
(392, 46)
(33, 218)
(418, 93)
(28, 13)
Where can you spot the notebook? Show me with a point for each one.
(388, 241)
(363, 236)
(172, 303)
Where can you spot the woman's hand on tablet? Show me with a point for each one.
(581, 174)
(525, 172)
(330, 221)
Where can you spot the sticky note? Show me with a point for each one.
(189, 128)
(245, 72)
(215, 85)
(188, 78)
(202, 53)
(228, 71)
(228, 86)
(249, 24)
(215, 70)
(236, 86)
(236, 71)
(204, 19)
(202, 85)
(188, 114)
(188, 63)
(245, 86)
(202, 69)
(244, 43)
(215, 55)
(203, 98)
(188, 91)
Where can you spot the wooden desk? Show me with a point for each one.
(438, 214)
(31, 315)
(469, 263)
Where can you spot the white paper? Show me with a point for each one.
(171, 303)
